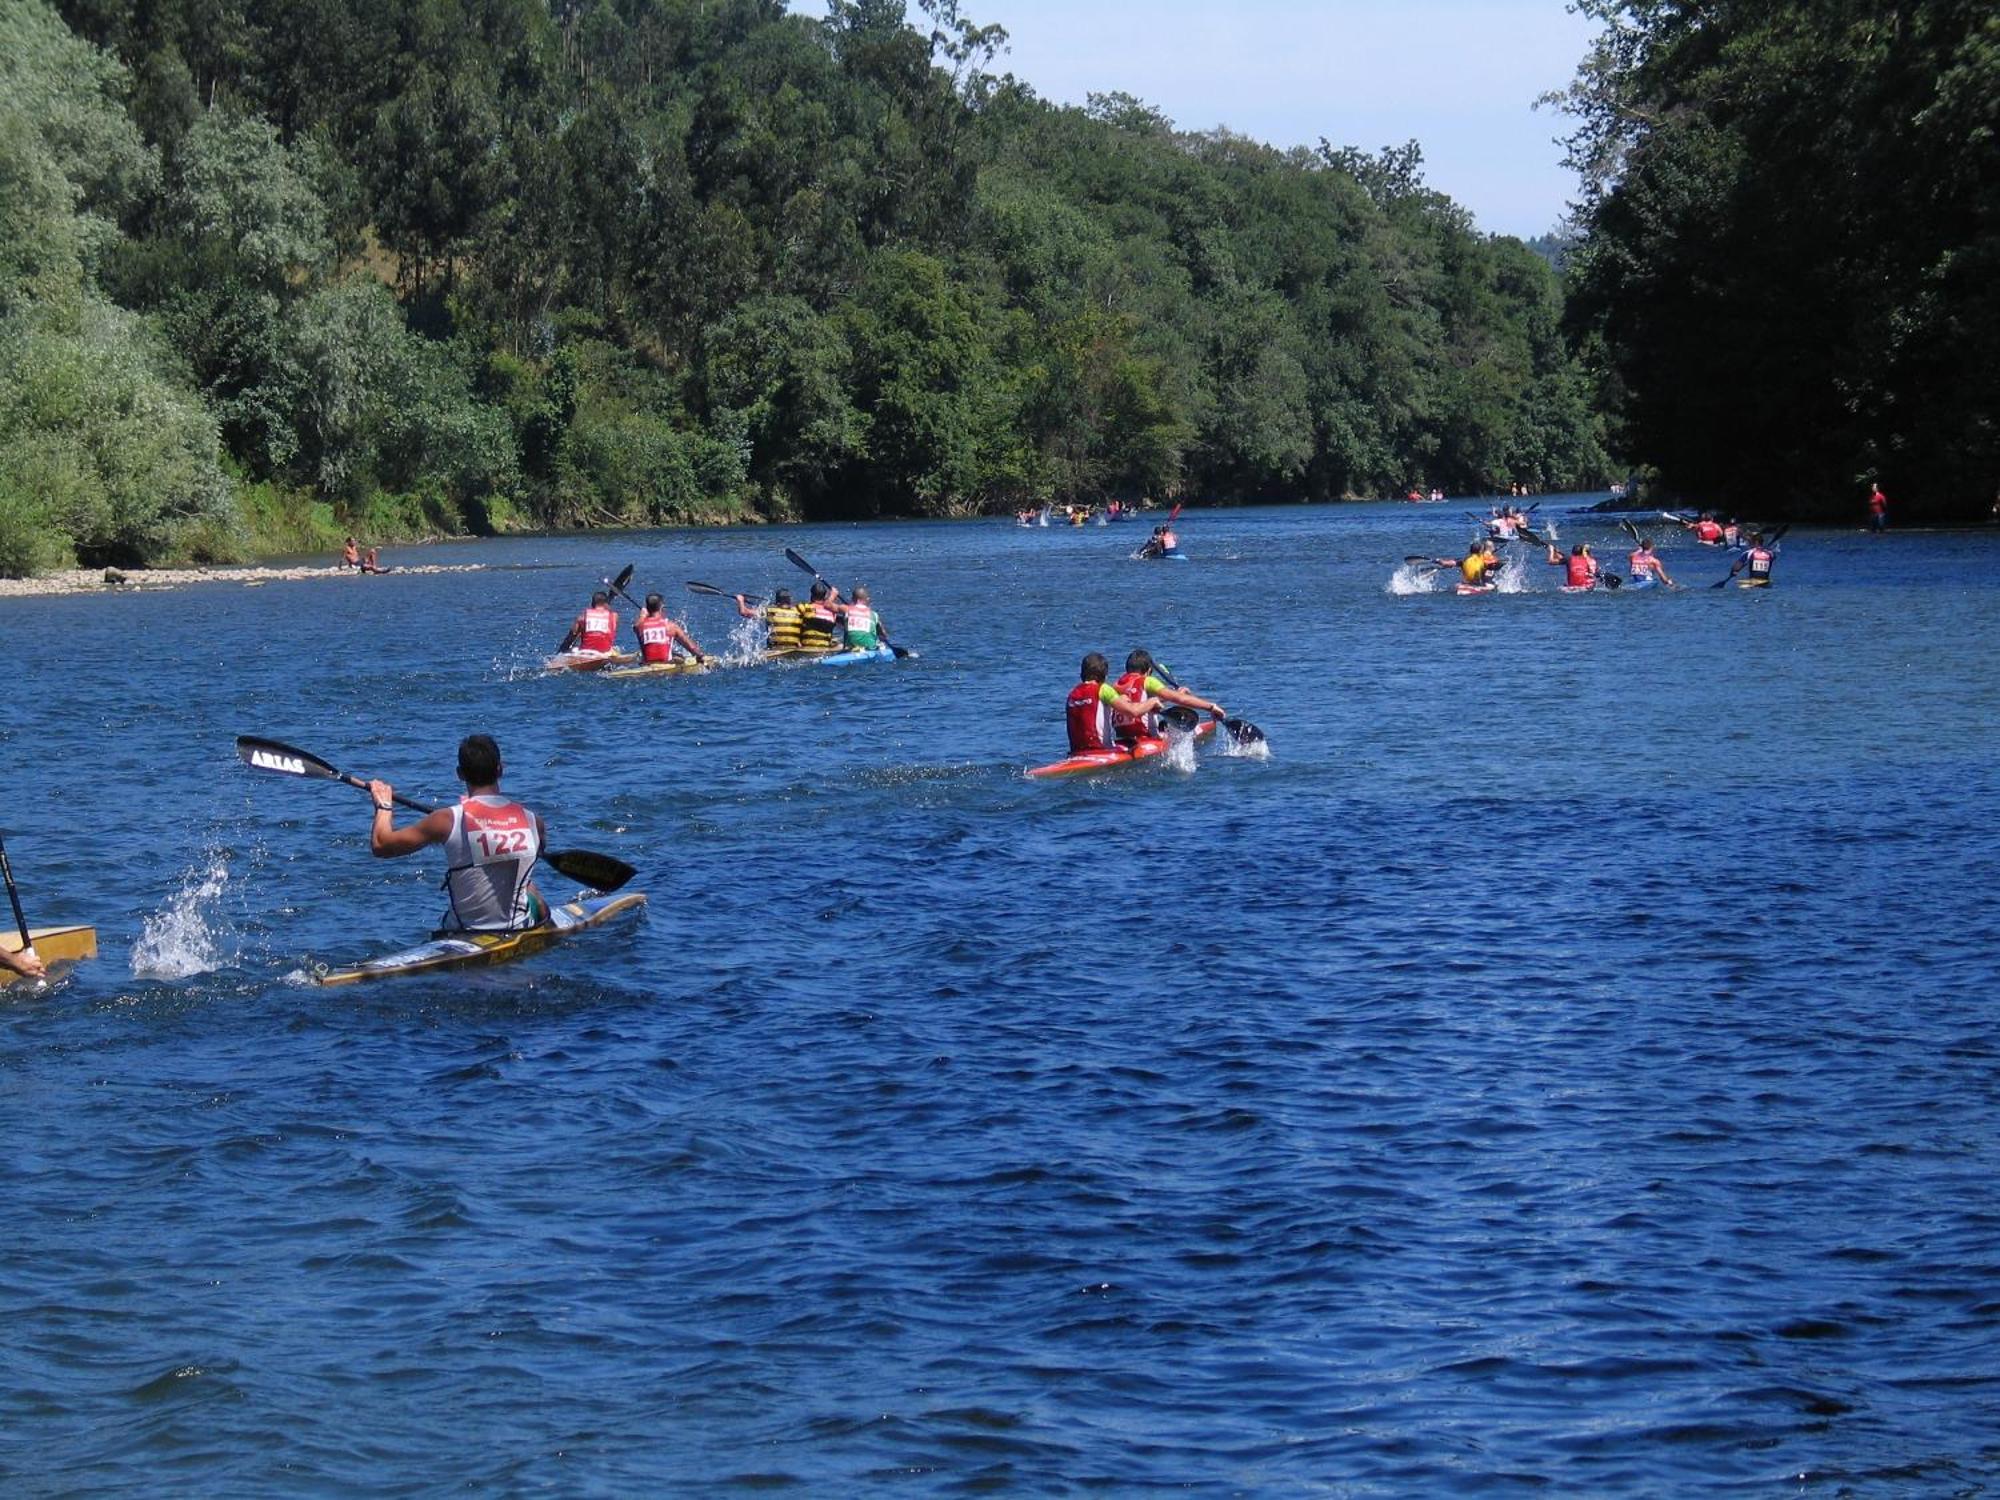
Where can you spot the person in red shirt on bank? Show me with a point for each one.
(659, 633)
(596, 629)
(1878, 508)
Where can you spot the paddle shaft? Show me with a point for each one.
(14, 897)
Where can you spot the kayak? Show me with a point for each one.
(1478, 588)
(1110, 760)
(680, 666)
(589, 661)
(1174, 556)
(54, 945)
(476, 950)
(855, 658)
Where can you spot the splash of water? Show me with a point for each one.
(1413, 578)
(1513, 575)
(186, 936)
(1179, 754)
(1237, 749)
(746, 643)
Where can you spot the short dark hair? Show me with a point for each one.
(783, 596)
(653, 601)
(1095, 667)
(1140, 660)
(600, 597)
(478, 760)
(821, 588)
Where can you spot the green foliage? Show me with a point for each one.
(491, 262)
(1792, 239)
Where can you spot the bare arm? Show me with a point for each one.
(387, 841)
(1189, 700)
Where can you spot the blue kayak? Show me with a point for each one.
(855, 658)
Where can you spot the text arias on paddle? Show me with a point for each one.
(600, 872)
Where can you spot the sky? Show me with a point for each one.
(1458, 76)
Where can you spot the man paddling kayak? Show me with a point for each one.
(659, 633)
(1139, 686)
(1757, 558)
(861, 627)
(1582, 566)
(817, 617)
(1484, 558)
(1093, 709)
(1646, 567)
(780, 619)
(596, 629)
(491, 845)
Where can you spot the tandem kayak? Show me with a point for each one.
(1110, 760)
(55, 946)
(855, 658)
(589, 661)
(476, 950)
(684, 666)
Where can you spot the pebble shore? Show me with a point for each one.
(112, 581)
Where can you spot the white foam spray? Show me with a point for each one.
(187, 936)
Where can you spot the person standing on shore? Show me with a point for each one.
(350, 555)
(1878, 508)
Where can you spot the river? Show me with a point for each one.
(1566, 1061)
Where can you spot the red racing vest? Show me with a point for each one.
(1582, 571)
(1132, 688)
(1089, 719)
(598, 629)
(1707, 531)
(656, 639)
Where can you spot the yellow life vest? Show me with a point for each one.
(781, 627)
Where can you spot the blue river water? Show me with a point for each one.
(1566, 1062)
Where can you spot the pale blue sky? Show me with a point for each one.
(1458, 76)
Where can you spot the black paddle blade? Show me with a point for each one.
(286, 760)
(623, 578)
(1243, 731)
(600, 872)
(709, 588)
(799, 562)
(1613, 581)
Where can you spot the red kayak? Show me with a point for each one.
(1107, 760)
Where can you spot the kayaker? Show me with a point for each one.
(780, 619)
(862, 627)
(491, 845)
(1168, 541)
(1757, 558)
(1133, 718)
(1093, 705)
(1732, 532)
(596, 629)
(1484, 558)
(659, 633)
(1646, 567)
(817, 617)
(1582, 566)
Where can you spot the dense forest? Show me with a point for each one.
(1789, 271)
(276, 269)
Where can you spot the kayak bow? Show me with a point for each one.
(478, 950)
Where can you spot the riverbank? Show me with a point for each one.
(118, 581)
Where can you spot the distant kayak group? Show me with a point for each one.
(1479, 570)
(824, 628)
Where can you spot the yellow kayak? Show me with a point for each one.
(55, 945)
(685, 666)
(477, 950)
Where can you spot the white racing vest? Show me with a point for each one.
(489, 853)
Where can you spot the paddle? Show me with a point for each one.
(709, 588)
(598, 871)
(14, 897)
(617, 586)
(901, 653)
(1240, 730)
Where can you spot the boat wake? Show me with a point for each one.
(1413, 578)
(188, 935)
